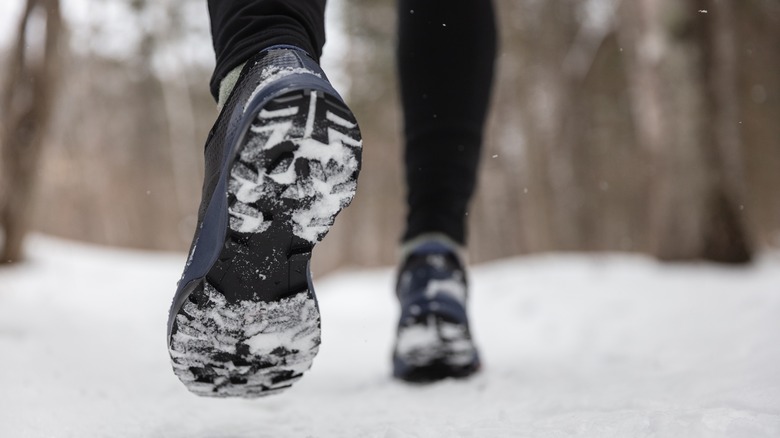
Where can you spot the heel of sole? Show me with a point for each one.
(243, 349)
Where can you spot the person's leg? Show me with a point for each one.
(282, 161)
(446, 53)
(241, 29)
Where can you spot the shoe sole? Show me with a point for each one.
(251, 326)
(434, 348)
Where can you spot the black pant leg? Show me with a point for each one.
(242, 28)
(446, 53)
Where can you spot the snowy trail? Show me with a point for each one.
(574, 346)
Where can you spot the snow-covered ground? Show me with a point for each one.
(574, 346)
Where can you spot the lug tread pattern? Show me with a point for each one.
(251, 327)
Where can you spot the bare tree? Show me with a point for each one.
(30, 90)
(609, 131)
(683, 85)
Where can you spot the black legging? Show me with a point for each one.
(446, 51)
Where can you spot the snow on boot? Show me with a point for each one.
(433, 340)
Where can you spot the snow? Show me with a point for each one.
(420, 344)
(213, 327)
(273, 73)
(573, 346)
(329, 186)
(451, 287)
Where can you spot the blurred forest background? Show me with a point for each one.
(646, 126)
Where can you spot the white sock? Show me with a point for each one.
(227, 84)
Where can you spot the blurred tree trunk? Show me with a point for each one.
(758, 29)
(683, 73)
(26, 107)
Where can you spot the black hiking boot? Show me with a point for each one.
(282, 160)
(433, 340)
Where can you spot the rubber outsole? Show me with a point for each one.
(434, 348)
(435, 372)
(251, 326)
